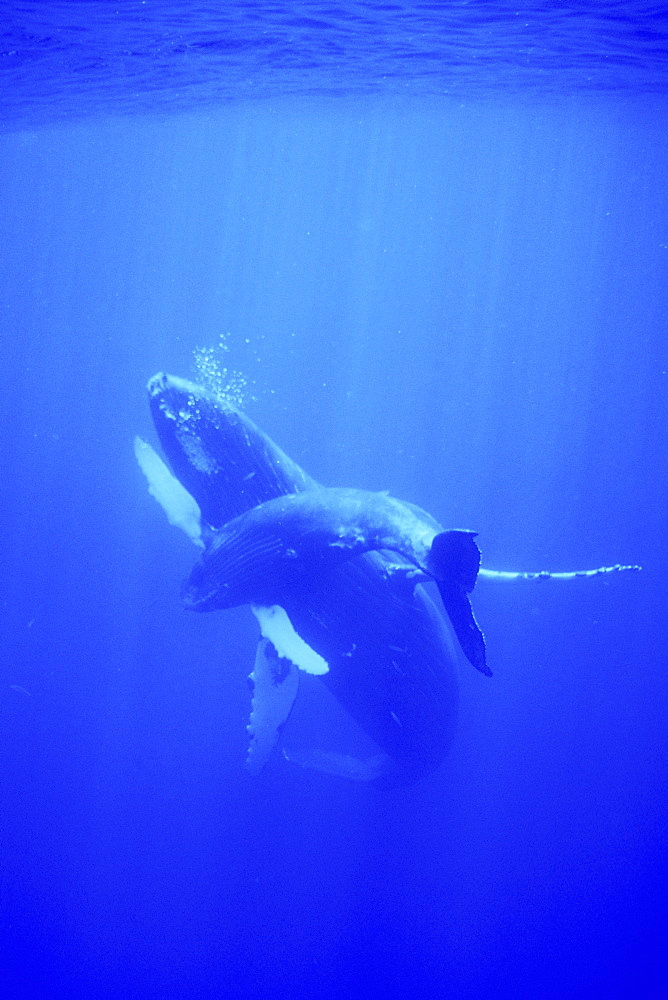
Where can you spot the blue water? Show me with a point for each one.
(77, 57)
(435, 240)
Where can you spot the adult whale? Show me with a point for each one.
(266, 551)
(333, 577)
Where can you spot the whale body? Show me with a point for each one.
(259, 555)
(379, 642)
(335, 580)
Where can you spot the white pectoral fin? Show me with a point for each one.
(281, 654)
(275, 680)
(180, 507)
(277, 627)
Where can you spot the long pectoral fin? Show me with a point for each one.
(275, 681)
(455, 557)
(466, 628)
(277, 627)
(180, 507)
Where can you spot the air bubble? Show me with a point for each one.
(227, 385)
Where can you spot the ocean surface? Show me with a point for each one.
(426, 245)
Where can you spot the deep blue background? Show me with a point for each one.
(463, 300)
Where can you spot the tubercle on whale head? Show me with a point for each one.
(161, 386)
(185, 404)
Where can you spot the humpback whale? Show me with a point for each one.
(280, 542)
(335, 578)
